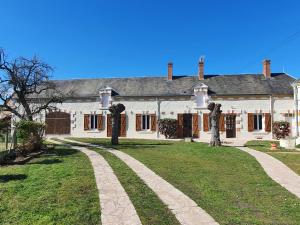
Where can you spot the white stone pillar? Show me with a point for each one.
(295, 123)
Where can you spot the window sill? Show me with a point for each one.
(93, 131)
(146, 132)
(262, 132)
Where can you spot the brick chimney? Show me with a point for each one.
(201, 69)
(267, 68)
(170, 71)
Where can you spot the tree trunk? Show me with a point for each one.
(115, 111)
(115, 129)
(214, 118)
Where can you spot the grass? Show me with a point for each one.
(291, 158)
(228, 183)
(56, 188)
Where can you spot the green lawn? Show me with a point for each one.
(228, 183)
(291, 158)
(56, 188)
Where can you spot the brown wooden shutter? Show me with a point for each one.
(86, 122)
(109, 125)
(100, 122)
(268, 122)
(195, 125)
(123, 126)
(153, 122)
(222, 122)
(250, 122)
(205, 122)
(179, 125)
(138, 122)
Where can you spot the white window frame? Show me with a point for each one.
(94, 125)
(257, 121)
(142, 122)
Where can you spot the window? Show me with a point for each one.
(105, 100)
(145, 122)
(257, 121)
(94, 122)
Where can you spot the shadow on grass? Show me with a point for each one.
(48, 161)
(131, 145)
(12, 177)
(62, 151)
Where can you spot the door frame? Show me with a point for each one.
(233, 130)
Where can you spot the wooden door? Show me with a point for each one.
(230, 126)
(187, 125)
(58, 123)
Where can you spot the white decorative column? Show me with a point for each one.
(295, 123)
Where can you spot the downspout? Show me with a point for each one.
(158, 115)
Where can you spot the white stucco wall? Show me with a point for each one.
(170, 107)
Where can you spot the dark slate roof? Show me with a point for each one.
(242, 84)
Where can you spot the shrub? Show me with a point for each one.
(281, 129)
(31, 133)
(167, 127)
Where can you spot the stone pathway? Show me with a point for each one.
(278, 171)
(185, 209)
(116, 207)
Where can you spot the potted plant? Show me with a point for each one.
(273, 146)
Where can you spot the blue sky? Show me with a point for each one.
(85, 39)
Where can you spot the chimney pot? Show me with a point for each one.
(267, 68)
(170, 71)
(201, 69)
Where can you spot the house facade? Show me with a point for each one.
(250, 102)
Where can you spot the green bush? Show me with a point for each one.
(281, 129)
(168, 127)
(31, 133)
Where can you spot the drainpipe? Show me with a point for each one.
(158, 115)
(296, 109)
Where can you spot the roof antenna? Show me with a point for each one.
(283, 69)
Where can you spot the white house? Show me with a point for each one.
(250, 102)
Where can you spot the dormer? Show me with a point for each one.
(105, 97)
(201, 97)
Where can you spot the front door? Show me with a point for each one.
(187, 125)
(230, 126)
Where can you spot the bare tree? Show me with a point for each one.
(116, 111)
(214, 118)
(25, 88)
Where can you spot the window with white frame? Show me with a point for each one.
(93, 122)
(145, 122)
(258, 121)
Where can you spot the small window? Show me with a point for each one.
(258, 122)
(94, 122)
(145, 122)
(105, 100)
